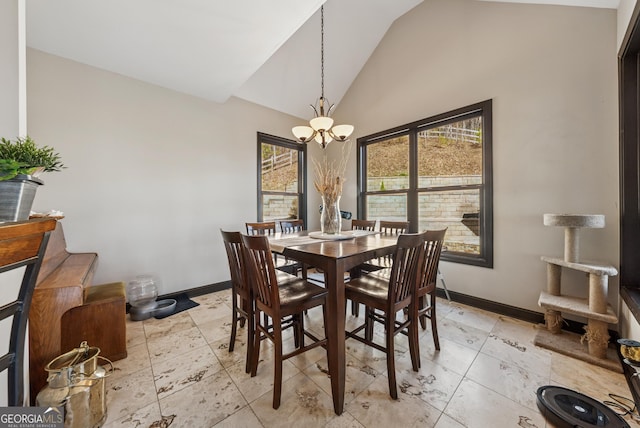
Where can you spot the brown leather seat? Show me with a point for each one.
(278, 301)
(388, 296)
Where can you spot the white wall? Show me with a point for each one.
(152, 174)
(551, 72)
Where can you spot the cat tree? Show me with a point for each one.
(595, 307)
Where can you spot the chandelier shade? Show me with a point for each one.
(321, 127)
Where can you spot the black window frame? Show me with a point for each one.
(302, 173)
(483, 108)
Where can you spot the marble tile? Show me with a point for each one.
(432, 383)
(204, 403)
(507, 379)
(180, 372)
(135, 333)
(485, 374)
(129, 392)
(174, 344)
(137, 359)
(154, 328)
(474, 405)
(358, 376)
(221, 349)
(446, 421)
(262, 383)
(588, 379)
(210, 310)
(345, 420)
(141, 418)
(303, 403)
(462, 333)
(477, 318)
(243, 418)
(374, 407)
(218, 329)
(526, 355)
(452, 355)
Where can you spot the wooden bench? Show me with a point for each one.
(67, 308)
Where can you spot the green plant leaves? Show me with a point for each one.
(23, 156)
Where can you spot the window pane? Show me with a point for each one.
(279, 169)
(279, 207)
(387, 207)
(458, 210)
(451, 155)
(388, 164)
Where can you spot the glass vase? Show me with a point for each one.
(330, 219)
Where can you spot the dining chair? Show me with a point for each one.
(386, 228)
(261, 228)
(292, 226)
(278, 301)
(22, 247)
(433, 241)
(294, 267)
(241, 297)
(390, 296)
(369, 225)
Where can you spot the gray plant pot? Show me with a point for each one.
(16, 197)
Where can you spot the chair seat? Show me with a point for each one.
(284, 277)
(372, 288)
(295, 293)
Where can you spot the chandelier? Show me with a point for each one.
(321, 126)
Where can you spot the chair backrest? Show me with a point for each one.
(433, 240)
(22, 244)
(394, 227)
(263, 228)
(404, 272)
(369, 225)
(235, 256)
(291, 226)
(260, 271)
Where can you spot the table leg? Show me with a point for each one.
(334, 330)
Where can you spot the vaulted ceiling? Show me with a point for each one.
(264, 52)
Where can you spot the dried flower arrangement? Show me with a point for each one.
(329, 180)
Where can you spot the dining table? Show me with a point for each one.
(334, 255)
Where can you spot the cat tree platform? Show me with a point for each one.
(595, 307)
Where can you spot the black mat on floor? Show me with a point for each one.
(183, 302)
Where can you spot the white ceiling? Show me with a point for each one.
(263, 51)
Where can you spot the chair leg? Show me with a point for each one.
(369, 323)
(414, 346)
(423, 318)
(391, 365)
(245, 307)
(234, 322)
(355, 309)
(277, 377)
(434, 323)
(256, 343)
(250, 339)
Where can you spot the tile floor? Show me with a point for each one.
(179, 373)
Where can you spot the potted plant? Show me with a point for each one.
(21, 162)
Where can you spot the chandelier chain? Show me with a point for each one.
(322, 51)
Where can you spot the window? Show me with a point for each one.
(435, 173)
(282, 167)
